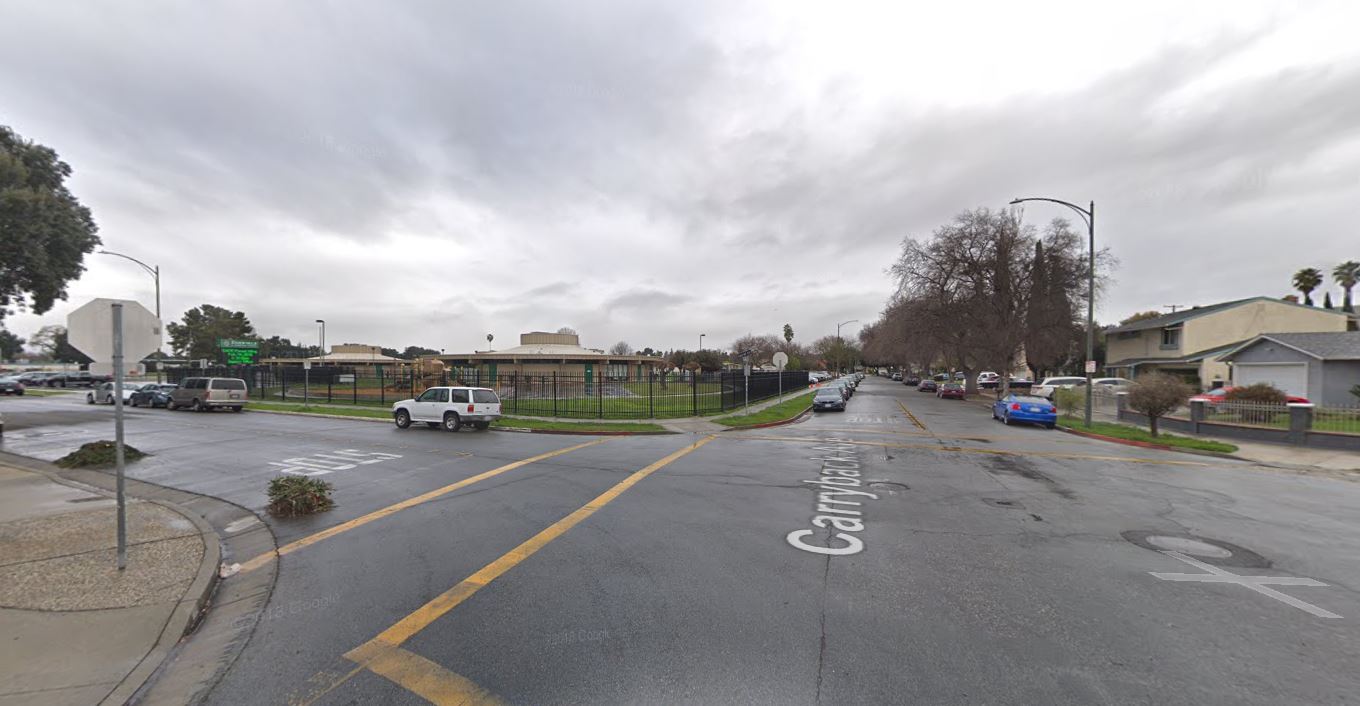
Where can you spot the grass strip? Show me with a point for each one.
(1131, 433)
(787, 409)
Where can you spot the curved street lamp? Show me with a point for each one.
(839, 341)
(155, 273)
(1089, 216)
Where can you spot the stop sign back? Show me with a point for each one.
(90, 330)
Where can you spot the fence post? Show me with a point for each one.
(1121, 404)
(1300, 421)
(514, 390)
(1196, 415)
(694, 393)
(283, 384)
(330, 378)
(355, 385)
(382, 388)
(554, 393)
(599, 395)
(651, 397)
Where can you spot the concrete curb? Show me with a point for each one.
(192, 605)
(323, 416)
(766, 425)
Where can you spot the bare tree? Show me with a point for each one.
(1156, 395)
(620, 348)
(567, 329)
(762, 347)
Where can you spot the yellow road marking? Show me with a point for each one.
(961, 449)
(380, 649)
(362, 520)
(429, 680)
(911, 416)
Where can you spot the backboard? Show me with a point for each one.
(90, 330)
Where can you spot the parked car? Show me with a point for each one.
(152, 395)
(950, 390)
(207, 394)
(828, 399)
(1048, 385)
(927, 386)
(1025, 408)
(11, 385)
(450, 408)
(988, 380)
(36, 378)
(896, 377)
(1219, 395)
(1111, 385)
(912, 380)
(1020, 383)
(103, 394)
(80, 378)
(846, 387)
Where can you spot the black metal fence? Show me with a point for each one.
(544, 395)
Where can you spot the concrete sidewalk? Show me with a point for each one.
(76, 630)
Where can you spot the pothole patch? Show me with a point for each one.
(888, 486)
(1205, 549)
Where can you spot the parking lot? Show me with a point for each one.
(907, 550)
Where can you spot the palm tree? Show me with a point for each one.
(1347, 274)
(1306, 280)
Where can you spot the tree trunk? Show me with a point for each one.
(1152, 424)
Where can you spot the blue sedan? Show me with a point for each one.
(1025, 408)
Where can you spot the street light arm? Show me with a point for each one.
(1085, 214)
(149, 269)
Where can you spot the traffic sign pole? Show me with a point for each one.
(118, 429)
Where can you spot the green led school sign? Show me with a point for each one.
(237, 351)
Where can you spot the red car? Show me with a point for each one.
(950, 390)
(1214, 397)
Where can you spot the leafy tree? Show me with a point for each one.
(620, 348)
(1156, 395)
(788, 333)
(47, 231)
(197, 336)
(1140, 316)
(390, 352)
(1327, 300)
(413, 352)
(45, 339)
(11, 346)
(1306, 280)
(1347, 274)
(648, 351)
(276, 347)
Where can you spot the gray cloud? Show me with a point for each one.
(426, 174)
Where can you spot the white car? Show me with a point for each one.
(1047, 386)
(449, 407)
(988, 380)
(103, 394)
(1110, 385)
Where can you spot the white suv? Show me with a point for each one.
(1046, 388)
(450, 407)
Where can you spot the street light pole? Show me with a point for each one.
(1088, 215)
(701, 340)
(323, 340)
(155, 273)
(839, 341)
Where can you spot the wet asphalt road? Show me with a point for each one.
(992, 564)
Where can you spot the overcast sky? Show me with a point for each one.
(427, 173)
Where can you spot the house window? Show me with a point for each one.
(1171, 338)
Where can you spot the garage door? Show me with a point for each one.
(1290, 377)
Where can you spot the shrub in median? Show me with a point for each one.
(299, 495)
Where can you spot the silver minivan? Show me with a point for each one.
(204, 394)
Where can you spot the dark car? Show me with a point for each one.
(11, 385)
(828, 399)
(912, 380)
(950, 391)
(154, 395)
(1025, 408)
(927, 386)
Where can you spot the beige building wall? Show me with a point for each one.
(1144, 345)
(1252, 319)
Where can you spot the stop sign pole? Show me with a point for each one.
(118, 429)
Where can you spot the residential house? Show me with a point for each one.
(1320, 366)
(1190, 342)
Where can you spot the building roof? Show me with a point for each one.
(1184, 359)
(543, 346)
(1179, 317)
(1328, 345)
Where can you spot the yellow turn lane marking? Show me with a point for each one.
(911, 416)
(383, 654)
(264, 559)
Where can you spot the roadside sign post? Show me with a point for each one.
(306, 382)
(118, 430)
(781, 359)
